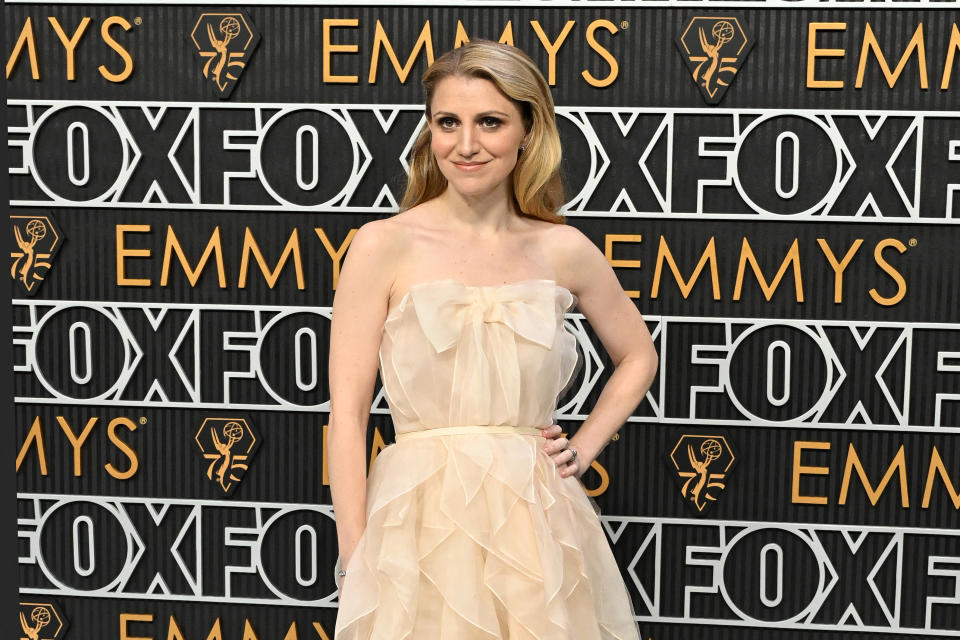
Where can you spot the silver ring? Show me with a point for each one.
(575, 453)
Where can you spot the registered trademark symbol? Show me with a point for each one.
(138, 20)
(143, 420)
(624, 24)
(912, 242)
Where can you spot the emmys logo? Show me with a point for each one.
(40, 621)
(229, 444)
(224, 41)
(38, 241)
(714, 48)
(701, 464)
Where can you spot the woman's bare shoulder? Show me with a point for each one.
(574, 255)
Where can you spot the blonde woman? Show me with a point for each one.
(473, 525)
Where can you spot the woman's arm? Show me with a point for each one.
(622, 331)
(359, 310)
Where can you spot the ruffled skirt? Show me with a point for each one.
(479, 537)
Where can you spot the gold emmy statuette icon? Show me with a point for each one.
(228, 444)
(722, 31)
(230, 28)
(701, 464)
(225, 42)
(40, 617)
(714, 49)
(711, 450)
(232, 431)
(37, 240)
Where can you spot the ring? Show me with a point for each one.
(575, 453)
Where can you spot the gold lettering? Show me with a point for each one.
(604, 53)
(899, 464)
(952, 49)
(193, 275)
(250, 246)
(814, 52)
(870, 44)
(70, 44)
(892, 272)
(604, 480)
(507, 36)
(462, 38)
(839, 267)
(324, 477)
(800, 469)
(609, 239)
(124, 447)
(123, 253)
(248, 632)
(126, 618)
(376, 446)
(792, 257)
(215, 632)
(173, 630)
(380, 40)
(936, 466)
(329, 49)
(552, 47)
(335, 254)
(35, 435)
(292, 632)
(77, 442)
(113, 44)
(26, 38)
(709, 255)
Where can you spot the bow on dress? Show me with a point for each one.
(483, 323)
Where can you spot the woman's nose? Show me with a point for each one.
(467, 142)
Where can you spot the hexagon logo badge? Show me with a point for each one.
(37, 241)
(228, 444)
(41, 621)
(224, 42)
(714, 49)
(701, 465)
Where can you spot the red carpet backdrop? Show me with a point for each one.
(776, 184)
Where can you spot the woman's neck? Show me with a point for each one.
(492, 212)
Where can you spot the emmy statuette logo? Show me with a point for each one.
(37, 240)
(224, 42)
(40, 621)
(228, 444)
(714, 49)
(701, 465)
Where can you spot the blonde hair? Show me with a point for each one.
(537, 185)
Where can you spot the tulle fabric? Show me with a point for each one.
(476, 536)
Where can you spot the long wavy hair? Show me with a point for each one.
(537, 185)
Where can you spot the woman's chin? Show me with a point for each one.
(474, 189)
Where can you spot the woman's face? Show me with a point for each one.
(476, 134)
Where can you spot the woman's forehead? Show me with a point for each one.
(470, 94)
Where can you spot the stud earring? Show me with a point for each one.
(523, 146)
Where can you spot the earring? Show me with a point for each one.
(523, 146)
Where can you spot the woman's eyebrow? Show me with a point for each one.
(438, 114)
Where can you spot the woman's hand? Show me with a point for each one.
(557, 447)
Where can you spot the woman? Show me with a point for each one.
(473, 524)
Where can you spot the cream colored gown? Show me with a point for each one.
(471, 533)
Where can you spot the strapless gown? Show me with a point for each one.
(471, 533)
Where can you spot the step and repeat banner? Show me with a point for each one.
(777, 186)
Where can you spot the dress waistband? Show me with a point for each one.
(468, 429)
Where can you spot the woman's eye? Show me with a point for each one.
(447, 123)
(490, 122)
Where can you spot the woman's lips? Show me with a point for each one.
(469, 166)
